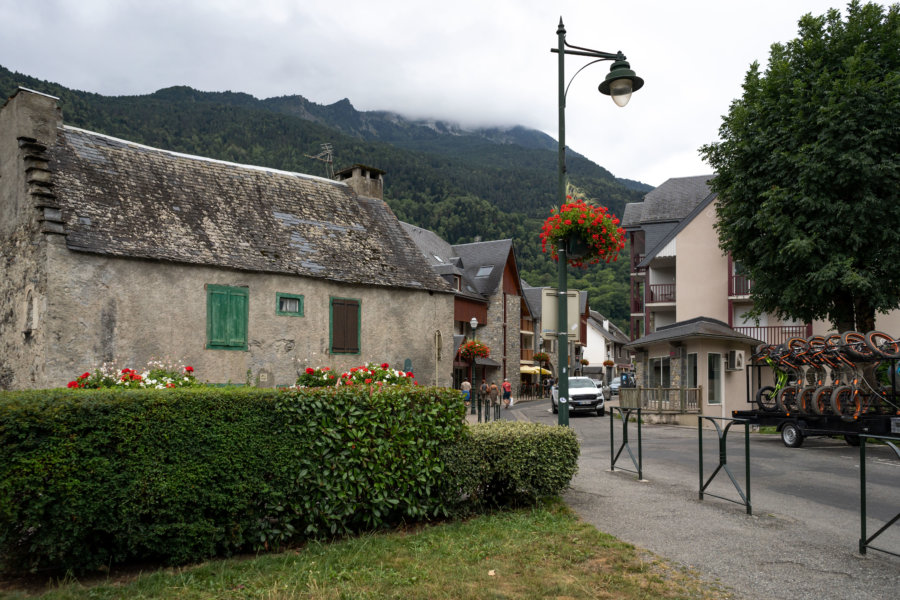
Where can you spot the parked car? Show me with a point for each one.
(584, 394)
(614, 386)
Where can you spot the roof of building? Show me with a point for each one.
(674, 199)
(124, 199)
(613, 334)
(697, 328)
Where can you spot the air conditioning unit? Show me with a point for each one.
(735, 360)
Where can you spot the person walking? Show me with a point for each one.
(466, 388)
(484, 389)
(495, 394)
(507, 392)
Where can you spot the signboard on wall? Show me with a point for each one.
(550, 315)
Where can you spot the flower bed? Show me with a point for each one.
(158, 374)
(370, 374)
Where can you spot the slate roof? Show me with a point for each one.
(477, 255)
(674, 199)
(123, 199)
(698, 328)
(614, 334)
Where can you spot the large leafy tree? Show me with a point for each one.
(808, 174)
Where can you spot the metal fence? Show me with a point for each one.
(661, 400)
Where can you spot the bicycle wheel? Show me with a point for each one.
(786, 398)
(805, 399)
(815, 342)
(765, 398)
(854, 345)
(844, 402)
(883, 344)
(797, 345)
(761, 352)
(821, 400)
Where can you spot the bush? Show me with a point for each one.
(90, 478)
(509, 463)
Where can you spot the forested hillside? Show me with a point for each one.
(463, 184)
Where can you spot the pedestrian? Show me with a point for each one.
(466, 388)
(507, 392)
(546, 386)
(495, 394)
(484, 390)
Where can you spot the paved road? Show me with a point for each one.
(801, 541)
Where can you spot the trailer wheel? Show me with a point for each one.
(791, 435)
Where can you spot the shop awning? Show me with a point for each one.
(526, 370)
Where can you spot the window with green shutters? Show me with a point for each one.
(345, 319)
(227, 315)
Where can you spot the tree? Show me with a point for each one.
(808, 174)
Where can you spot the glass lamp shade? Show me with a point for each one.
(620, 91)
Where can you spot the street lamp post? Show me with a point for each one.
(620, 82)
(474, 323)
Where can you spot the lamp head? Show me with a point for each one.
(473, 322)
(620, 82)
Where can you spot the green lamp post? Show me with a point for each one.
(620, 82)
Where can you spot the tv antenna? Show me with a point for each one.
(327, 157)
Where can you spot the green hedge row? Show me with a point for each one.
(96, 477)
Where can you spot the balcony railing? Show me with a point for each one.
(662, 292)
(740, 285)
(662, 400)
(776, 334)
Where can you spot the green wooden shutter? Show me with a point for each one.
(227, 315)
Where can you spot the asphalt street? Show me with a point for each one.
(801, 541)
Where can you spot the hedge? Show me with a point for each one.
(90, 478)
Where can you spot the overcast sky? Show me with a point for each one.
(476, 62)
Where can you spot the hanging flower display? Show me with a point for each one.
(474, 349)
(590, 233)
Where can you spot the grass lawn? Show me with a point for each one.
(542, 552)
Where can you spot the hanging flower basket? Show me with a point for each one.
(541, 357)
(608, 363)
(588, 233)
(474, 349)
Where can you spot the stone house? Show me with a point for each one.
(485, 277)
(114, 251)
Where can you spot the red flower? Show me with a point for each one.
(385, 366)
(74, 384)
(85, 376)
(189, 369)
(310, 370)
(369, 380)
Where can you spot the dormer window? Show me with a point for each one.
(457, 282)
(484, 271)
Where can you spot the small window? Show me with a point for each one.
(484, 271)
(290, 305)
(457, 281)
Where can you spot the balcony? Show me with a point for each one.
(739, 285)
(662, 292)
(776, 334)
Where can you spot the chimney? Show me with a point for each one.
(365, 181)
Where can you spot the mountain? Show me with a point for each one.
(464, 184)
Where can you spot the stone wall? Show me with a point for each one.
(101, 309)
